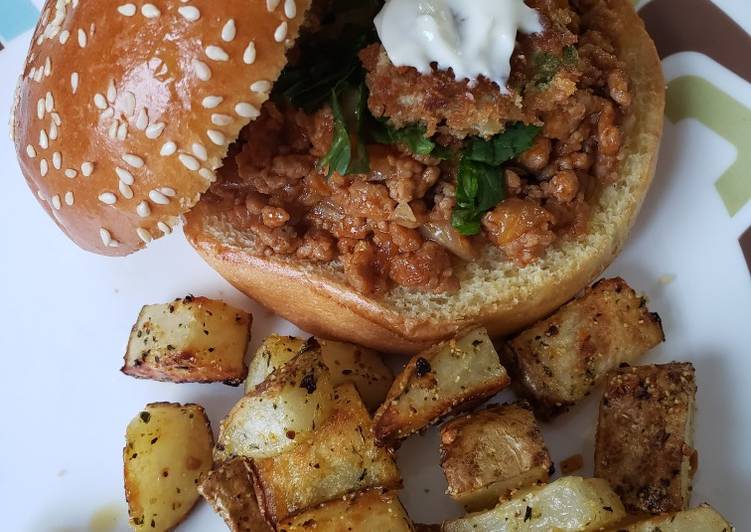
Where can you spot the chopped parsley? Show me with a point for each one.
(547, 65)
(347, 154)
(413, 137)
(479, 181)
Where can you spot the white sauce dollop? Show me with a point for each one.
(472, 37)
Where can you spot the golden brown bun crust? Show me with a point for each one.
(494, 292)
(108, 79)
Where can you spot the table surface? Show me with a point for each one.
(68, 313)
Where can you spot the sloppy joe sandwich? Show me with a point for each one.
(384, 173)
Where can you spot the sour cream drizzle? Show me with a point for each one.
(472, 37)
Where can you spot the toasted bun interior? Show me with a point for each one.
(494, 291)
(125, 109)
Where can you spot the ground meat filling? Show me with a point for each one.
(392, 225)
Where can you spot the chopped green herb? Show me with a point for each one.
(516, 139)
(340, 158)
(479, 188)
(547, 65)
(413, 137)
(479, 180)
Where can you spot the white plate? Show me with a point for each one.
(67, 314)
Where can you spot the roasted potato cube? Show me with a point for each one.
(229, 491)
(560, 359)
(569, 503)
(167, 448)
(346, 362)
(273, 353)
(342, 458)
(644, 436)
(487, 454)
(453, 374)
(282, 411)
(703, 518)
(193, 339)
(372, 510)
(362, 367)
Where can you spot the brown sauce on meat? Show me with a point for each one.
(392, 226)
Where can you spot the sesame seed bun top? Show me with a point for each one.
(125, 109)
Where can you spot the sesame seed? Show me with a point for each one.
(112, 131)
(249, 55)
(82, 38)
(125, 190)
(290, 8)
(47, 67)
(87, 168)
(108, 198)
(168, 148)
(57, 160)
(64, 36)
(44, 142)
(155, 130)
(56, 119)
(105, 236)
(189, 13)
(281, 32)
(56, 202)
(100, 101)
(229, 31)
(246, 110)
(107, 114)
(142, 121)
(40, 195)
(168, 191)
(207, 174)
(202, 70)
(49, 102)
(209, 102)
(216, 53)
(144, 235)
(74, 82)
(40, 39)
(271, 5)
(261, 86)
(127, 10)
(143, 210)
(69, 198)
(111, 91)
(189, 161)
(43, 167)
(122, 131)
(133, 160)
(124, 176)
(38, 74)
(40, 108)
(164, 228)
(150, 11)
(30, 151)
(53, 130)
(70, 173)
(199, 150)
(158, 198)
(129, 103)
(221, 120)
(217, 137)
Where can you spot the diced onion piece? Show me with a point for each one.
(404, 216)
(442, 233)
